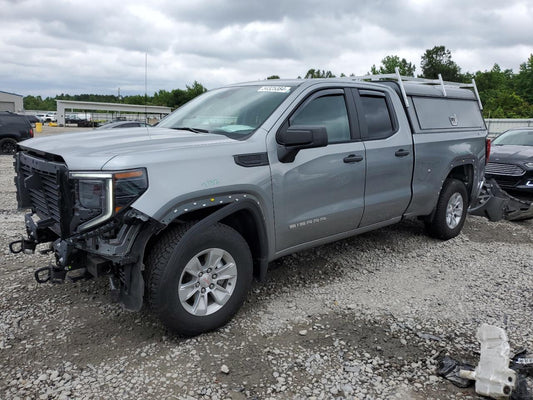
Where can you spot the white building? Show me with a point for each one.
(11, 102)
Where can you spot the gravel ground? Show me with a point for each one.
(362, 318)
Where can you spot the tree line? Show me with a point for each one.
(173, 98)
(504, 93)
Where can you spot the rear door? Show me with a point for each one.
(321, 192)
(389, 155)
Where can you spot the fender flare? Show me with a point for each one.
(240, 202)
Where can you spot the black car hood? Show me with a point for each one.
(511, 153)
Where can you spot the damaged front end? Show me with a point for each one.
(87, 219)
(496, 204)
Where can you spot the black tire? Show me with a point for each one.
(165, 272)
(441, 227)
(8, 146)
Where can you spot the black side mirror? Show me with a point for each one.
(295, 138)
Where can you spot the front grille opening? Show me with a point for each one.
(504, 169)
(45, 198)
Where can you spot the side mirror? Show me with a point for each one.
(295, 138)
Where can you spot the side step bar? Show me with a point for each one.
(496, 204)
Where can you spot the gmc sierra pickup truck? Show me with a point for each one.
(183, 215)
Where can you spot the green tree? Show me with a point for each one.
(33, 102)
(162, 98)
(196, 89)
(438, 60)
(496, 90)
(273, 77)
(137, 99)
(505, 103)
(493, 79)
(317, 73)
(524, 80)
(389, 64)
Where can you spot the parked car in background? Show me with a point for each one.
(80, 122)
(50, 117)
(85, 123)
(123, 124)
(511, 160)
(32, 119)
(13, 128)
(42, 117)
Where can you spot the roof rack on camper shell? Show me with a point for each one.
(422, 81)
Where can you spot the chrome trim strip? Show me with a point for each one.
(90, 175)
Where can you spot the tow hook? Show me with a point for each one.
(50, 273)
(22, 245)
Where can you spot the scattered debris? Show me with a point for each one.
(449, 369)
(303, 332)
(428, 336)
(522, 362)
(493, 376)
(224, 369)
(496, 376)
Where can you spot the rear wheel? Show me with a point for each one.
(197, 283)
(450, 213)
(8, 146)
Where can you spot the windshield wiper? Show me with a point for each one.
(188, 128)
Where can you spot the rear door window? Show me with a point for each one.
(377, 115)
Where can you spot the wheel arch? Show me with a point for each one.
(464, 173)
(244, 216)
(462, 169)
(465, 169)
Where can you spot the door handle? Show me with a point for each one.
(401, 153)
(352, 158)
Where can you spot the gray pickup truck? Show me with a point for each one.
(183, 215)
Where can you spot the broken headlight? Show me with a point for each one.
(103, 194)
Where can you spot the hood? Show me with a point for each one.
(91, 150)
(511, 153)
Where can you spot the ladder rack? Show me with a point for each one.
(422, 81)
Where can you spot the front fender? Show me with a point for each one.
(226, 205)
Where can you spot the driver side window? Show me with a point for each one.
(329, 111)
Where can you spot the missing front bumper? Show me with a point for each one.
(496, 204)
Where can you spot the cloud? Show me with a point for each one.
(55, 46)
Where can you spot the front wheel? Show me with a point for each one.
(197, 283)
(450, 213)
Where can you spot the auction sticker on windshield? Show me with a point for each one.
(275, 89)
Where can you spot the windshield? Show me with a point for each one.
(232, 111)
(518, 138)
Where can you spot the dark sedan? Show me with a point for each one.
(511, 160)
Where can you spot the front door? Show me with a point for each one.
(321, 192)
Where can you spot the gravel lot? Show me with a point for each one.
(345, 320)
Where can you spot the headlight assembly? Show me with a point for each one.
(100, 195)
(529, 164)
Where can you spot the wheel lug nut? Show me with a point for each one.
(212, 286)
(214, 276)
(197, 284)
(200, 274)
(203, 290)
(208, 269)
